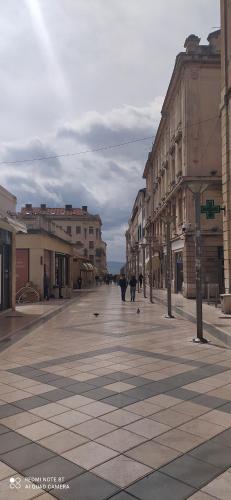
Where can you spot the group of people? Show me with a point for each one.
(132, 282)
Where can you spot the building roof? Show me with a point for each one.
(52, 211)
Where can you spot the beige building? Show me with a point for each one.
(187, 148)
(8, 229)
(226, 135)
(46, 249)
(83, 228)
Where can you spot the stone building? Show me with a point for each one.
(9, 226)
(226, 135)
(83, 228)
(135, 253)
(187, 148)
(46, 249)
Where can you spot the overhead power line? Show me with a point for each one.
(95, 150)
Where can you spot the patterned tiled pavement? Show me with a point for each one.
(122, 406)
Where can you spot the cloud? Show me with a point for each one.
(65, 90)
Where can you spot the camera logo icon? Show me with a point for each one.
(15, 482)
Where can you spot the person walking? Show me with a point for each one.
(141, 280)
(123, 287)
(133, 283)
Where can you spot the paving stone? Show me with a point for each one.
(56, 395)
(80, 387)
(99, 393)
(120, 400)
(32, 402)
(54, 467)
(213, 453)
(122, 471)
(7, 410)
(158, 486)
(3, 429)
(191, 471)
(12, 440)
(26, 456)
(89, 487)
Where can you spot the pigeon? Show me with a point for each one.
(138, 311)
(96, 314)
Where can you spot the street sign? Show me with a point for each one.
(210, 209)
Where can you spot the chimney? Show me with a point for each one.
(84, 208)
(43, 206)
(214, 40)
(28, 205)
(192, 44)
(68, 207)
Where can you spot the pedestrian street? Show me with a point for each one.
(101, 402)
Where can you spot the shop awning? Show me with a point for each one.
(86, 266)
(12, 225)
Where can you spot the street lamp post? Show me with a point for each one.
(197, 188)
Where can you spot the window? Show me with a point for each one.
(91, 230)
(69, 230)
(78, 229)
(91, 244)
(98, 252)
(85, 233)
(85, 252)
(91, 257)
(97, 233)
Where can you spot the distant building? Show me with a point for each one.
(135, 236)
(83, 228)
(226, 134)
(47, 252)
(187, 148)
(9, 226)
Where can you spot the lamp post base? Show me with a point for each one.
(197, 340)
(169, 316)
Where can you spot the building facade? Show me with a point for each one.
(8, 229)
(186, 150)
(135, 250)
(46, 250)
(83, 228)
(226, 135)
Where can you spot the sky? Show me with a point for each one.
(77, 75)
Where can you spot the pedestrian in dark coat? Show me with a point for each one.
(133, 283)
(141, 280)
(123, 286)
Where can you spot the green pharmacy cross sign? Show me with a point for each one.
(210, 209)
